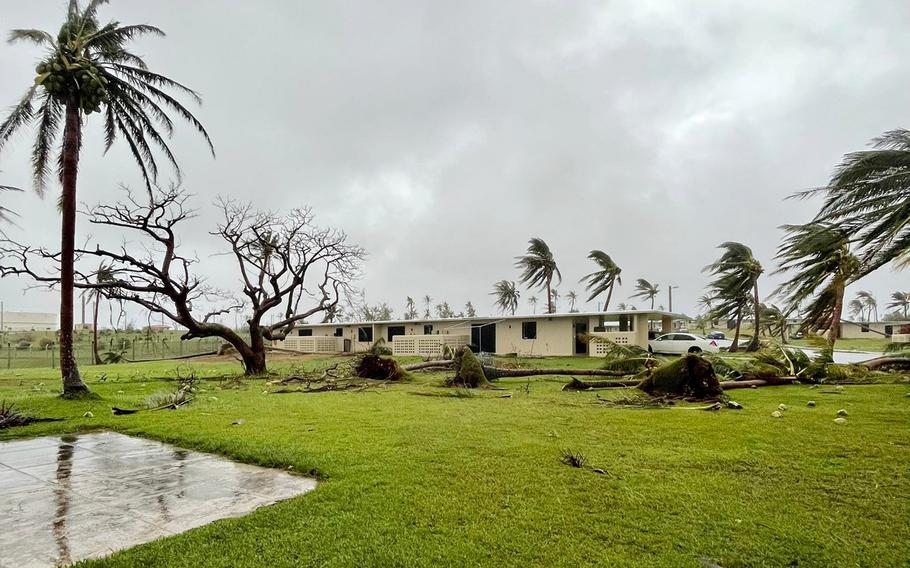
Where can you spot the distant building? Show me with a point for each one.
(27, 321)
(537, 334)
(156, 328)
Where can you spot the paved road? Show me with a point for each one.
(839, 356)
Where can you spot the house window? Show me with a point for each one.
(529, 330)
(339, 332)
(889, 330)
(395, 330)
(305, 332)
(428, 329)
(365, 334)
(864, 328)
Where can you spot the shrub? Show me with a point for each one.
(45, 342)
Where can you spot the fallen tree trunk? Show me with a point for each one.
(579, 385)
(429, 364)
(886, 361)
(776, 381)
(494, 373)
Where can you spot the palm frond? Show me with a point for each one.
(37, 37)
(19, 116)
(48, 126)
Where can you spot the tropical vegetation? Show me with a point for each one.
(734, 289)
(539, 269)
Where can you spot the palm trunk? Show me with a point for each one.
(95, 357)
(609, 295)
(72, 144)
(739, 322)
(834, 331)
(755, 344)
(549, 297)
(652, 302)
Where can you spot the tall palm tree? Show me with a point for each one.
(427, 302)
(857, 309)
(572, 297)
(622, 307)
(554, 298)
(533, 301)
(735, 287)
(775, 320)
(539, 268)
(646, 291)
(870, 304)
(821, 265)
(604, 278)
(507, 296)
(410, 312)
(869, 196)
(103, 275)
(87, 69)
(900, 301)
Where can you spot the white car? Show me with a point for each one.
(680, 343)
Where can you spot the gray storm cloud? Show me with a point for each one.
(443, 135)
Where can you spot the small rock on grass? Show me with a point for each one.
(811, 403)
(777, 414)
(840, 421)
(238, 422)
(842, 412)
(782, 407)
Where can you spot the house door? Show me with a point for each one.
(581, 346)
(484, 337)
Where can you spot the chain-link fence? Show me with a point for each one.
(19, 353)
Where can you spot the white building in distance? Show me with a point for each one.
(27, 321)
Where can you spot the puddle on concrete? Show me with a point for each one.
(65, 499)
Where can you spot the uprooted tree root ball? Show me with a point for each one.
(690, 376)
(468, 370)
(376, 367)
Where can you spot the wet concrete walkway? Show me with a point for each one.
(65, 499)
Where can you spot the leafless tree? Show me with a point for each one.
(286, 264)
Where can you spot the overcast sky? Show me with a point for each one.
(441, 136)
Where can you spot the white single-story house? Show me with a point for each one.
(894, 330)
(537, 334)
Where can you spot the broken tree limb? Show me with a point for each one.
(578, 385)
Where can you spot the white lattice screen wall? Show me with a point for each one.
(598, 349)
(426, 344)
(314, 344)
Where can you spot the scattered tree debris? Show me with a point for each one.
(578, 385)
(573, 459)
(10, 417)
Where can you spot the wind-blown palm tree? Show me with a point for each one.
(869, 197)
(533, 301)
(775, 320)
(646, 291)
(427, 302)
(900, 301)
(88, 69)
(821, 265)
(857, 309)
(870, 304)
(735, 288)
(555, 298)
(539, 268)
(507, 296)
(410, 312)
(572, 297)
(604, 279)
(622, 307)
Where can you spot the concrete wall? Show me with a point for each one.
(554, 337)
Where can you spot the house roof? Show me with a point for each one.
(655, 314)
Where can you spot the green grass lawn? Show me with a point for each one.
(476, 481)
(871, 344)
